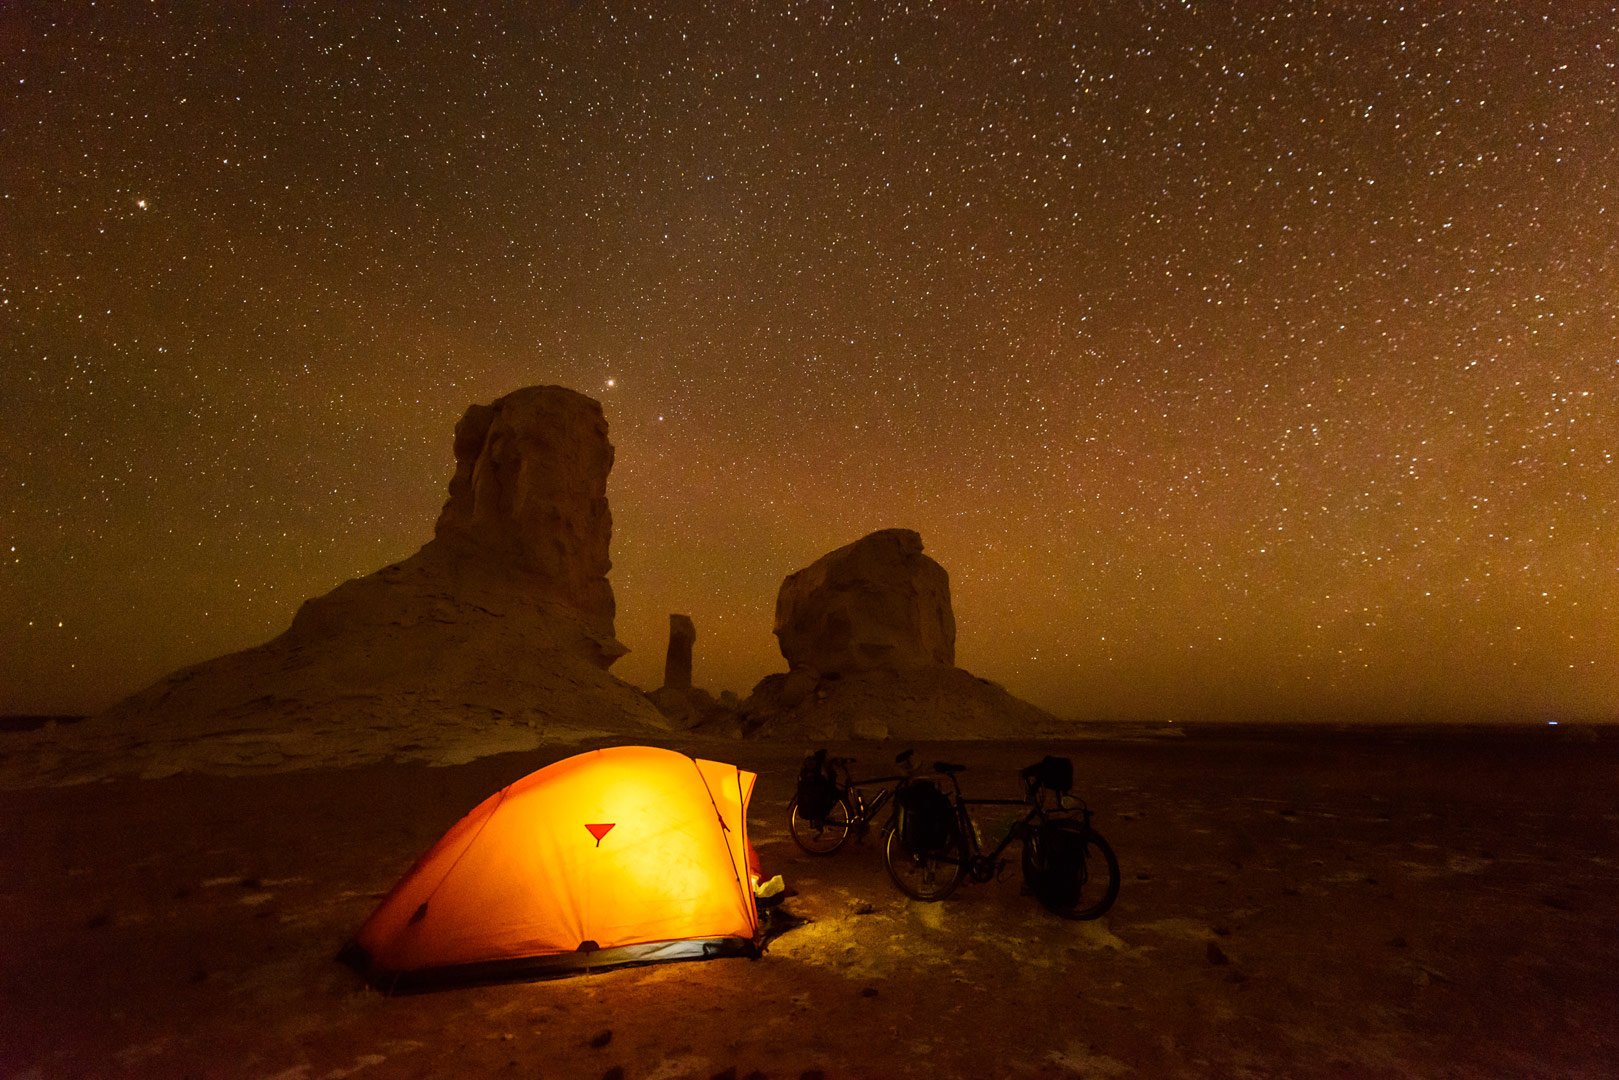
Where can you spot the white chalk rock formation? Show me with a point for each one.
(870, 640)
(530, 494)
(875, 604)
(677, 661)
(684, 706)
(495, 636)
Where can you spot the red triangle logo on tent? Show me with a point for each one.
(600, 830)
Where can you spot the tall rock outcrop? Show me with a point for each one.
(677, 661)
(530, 493)
(525, 532)
(870, 640)
(496, 635)
(686, 706)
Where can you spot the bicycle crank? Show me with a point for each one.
(983, 868)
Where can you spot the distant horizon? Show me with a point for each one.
(1319, 723)
(1225, 718)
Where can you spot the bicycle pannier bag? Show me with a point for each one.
(925, 816)
(1061, 864)
(817, 793)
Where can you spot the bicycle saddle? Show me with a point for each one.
(947, 768)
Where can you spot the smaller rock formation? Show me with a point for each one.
(677, 663)
(870, 641)
(875, 604)
(682, 704)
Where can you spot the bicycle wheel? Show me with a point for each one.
(824, 836)
(1079, 881)
(930, 876)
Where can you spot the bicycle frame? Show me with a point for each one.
(854, 793)
(1062, 854)
(858, 803)
(979, 863)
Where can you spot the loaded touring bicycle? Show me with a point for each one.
(1067, 865)
(829, 804)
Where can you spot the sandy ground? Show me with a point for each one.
(1294, 905)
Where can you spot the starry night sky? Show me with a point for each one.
(1235, 360)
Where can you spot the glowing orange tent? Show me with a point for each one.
(629, 854)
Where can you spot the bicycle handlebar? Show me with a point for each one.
(836, 765)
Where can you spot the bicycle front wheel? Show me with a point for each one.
(1071, 870)
(926, 876)
(820, 836)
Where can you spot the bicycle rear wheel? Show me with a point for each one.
(926, 876)
(820, 836)
(1071, 870)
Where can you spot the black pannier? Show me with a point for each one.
(925, 817)
(817, 791)
(1061, 865)
(1055, 774)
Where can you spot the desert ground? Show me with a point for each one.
(1296, 903)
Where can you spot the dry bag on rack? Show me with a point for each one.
(1054, 774)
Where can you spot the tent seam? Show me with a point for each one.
(724, 828)
(469, 846)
